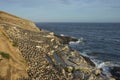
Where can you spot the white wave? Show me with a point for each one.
(102, 64)
(76, 42)
(85, 53)
(62, 35)
(105, 66)
(117, 40)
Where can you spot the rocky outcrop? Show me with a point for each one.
(66, 39)
(48, 57)
(115, 71)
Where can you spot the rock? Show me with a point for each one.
(51, 33)
(115, 71)
(56, 46)
(38, 46)
(36, 63)
(65, 48)
(73, 53)
(78, 76)
(52, 40)
(69, 69)
(65, 39)
(63, 72)
(112, 78)
(89, 61)
(85, 69)
(70, 75)
(52, 51)
(91, 77)
(97, 72)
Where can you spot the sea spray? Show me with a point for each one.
(80, 40)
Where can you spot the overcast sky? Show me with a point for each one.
(64, 10)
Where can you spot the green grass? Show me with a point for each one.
(5, 55)
(15, 44)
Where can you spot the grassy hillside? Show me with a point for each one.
(12, 64)
(6, 18)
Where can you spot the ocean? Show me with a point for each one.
(98, 41)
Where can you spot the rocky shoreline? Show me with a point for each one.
(49, 57)
(67, 40)
(114, 71)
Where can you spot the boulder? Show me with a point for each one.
(115, 71)
(66, 39)
(69, 69)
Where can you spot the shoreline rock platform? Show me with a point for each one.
(48, 56)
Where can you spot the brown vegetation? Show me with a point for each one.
(15, 66)
(6, 18)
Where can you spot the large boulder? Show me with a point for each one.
(115, 71)
(66, 39)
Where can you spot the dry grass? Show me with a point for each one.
(17, 21)
(15, 66)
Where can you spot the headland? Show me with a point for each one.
(35, 54)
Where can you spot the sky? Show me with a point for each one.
(64, 10)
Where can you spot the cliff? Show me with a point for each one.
(27, 53)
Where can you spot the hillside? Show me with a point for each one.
(12, 66)
(6, 18)
(27, 53)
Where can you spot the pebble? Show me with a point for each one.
(97, 72)
(69, 69)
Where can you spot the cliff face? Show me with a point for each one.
(40, 55)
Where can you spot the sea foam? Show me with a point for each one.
(80, 40)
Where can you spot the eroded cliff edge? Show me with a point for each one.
(44, 55)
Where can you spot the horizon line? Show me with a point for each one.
(73, 22)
